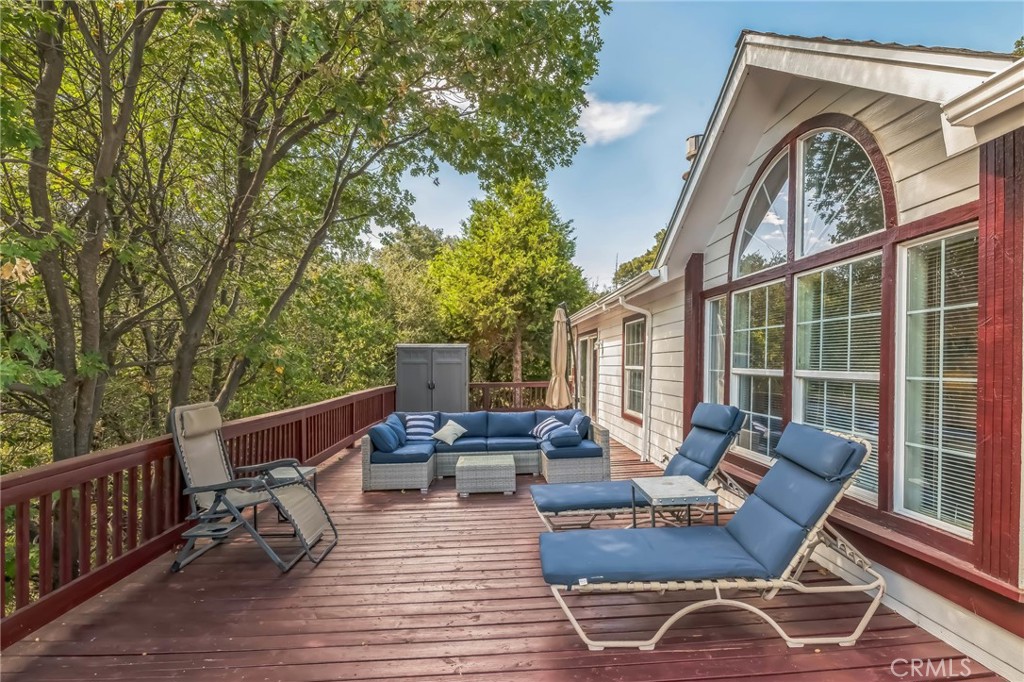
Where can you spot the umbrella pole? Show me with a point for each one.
(572, 355)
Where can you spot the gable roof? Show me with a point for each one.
(928, 74)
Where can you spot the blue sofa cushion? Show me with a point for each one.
(546, 428)
(564, 416)
(644, 554)
(412, 453)
(384, 438)
(511, 443)
(509, 423)
(818, 452)
(395, 422)
(725, 418)
(586, 448)
(475, 423)
(462, 444)
(766, 534)
(581, 423)
(564, 436)
(561, 497)
(421, 426)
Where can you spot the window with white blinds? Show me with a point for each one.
(940, 381)
(633, 367)
(838, 348)
(714, 366)
(758, 351)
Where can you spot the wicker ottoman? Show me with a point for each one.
(485, 474)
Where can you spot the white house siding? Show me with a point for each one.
(666, 335)
(908, 132)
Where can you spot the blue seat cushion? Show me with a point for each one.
(556, 498)
(818, 452)
(724, 418)
(410, 453)
(565, 436)
(462, 444)
(384, 438)
(395, 422)
(564, 416)
(475, 423)
(654, 554)
(586, 448)
(511, 443)
(510, 423)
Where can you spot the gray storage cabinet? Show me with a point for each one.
(432, 377)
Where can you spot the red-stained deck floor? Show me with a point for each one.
(434, 587)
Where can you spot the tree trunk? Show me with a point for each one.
(517, 365)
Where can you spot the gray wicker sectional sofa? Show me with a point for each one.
(416, 463)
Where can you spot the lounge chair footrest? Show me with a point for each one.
(211, 530)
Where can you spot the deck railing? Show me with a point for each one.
(508, 396)
(77, 526)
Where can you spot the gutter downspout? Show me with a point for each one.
(645, 438)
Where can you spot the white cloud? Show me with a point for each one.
(604, 122)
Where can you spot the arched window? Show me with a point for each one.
(840, 196)
(766, 223)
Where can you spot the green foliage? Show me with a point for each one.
(503, 279)
(1018, 47)
(642, 263)
(216, 200)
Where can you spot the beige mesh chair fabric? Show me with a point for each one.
(219, 497)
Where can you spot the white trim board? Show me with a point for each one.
(980, 640)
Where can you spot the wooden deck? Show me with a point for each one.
(433, 587)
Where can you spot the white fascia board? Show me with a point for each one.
(987, 111)
(642, 282)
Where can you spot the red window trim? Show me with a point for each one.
(630, 416)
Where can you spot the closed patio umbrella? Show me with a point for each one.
(558, 388)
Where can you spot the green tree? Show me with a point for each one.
(642, 263)
(172, 171)
(404, 263)
(1018, 47)
(500, 282)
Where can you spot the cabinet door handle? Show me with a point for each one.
(430, 385)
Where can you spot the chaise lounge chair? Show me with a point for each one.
(764, 547)
(219, 497)
(714, 428)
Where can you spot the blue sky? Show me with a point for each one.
(662, 66)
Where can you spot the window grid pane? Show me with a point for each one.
(766, 225)
(633, 366)
(838, 333)
(758, 352)
(940, 405)
(714, 379)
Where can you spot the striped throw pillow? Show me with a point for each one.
(545, 428)
(419, 427)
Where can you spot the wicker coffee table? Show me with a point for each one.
(485, 474)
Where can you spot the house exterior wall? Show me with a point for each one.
(666, 337)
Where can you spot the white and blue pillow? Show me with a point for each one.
(545, 428)
(419, 427)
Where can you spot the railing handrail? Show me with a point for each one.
(18, 486)
(508, 384)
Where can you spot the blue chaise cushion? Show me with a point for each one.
(510, 423)
(395, 422)
(716, 417)
(475, 423)
(462, 444)
(644, 554)
(555, 498)
(586, 448)
(411, 453)
(384, 438)
(564, 436)
(818, 452)
(511, 443)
